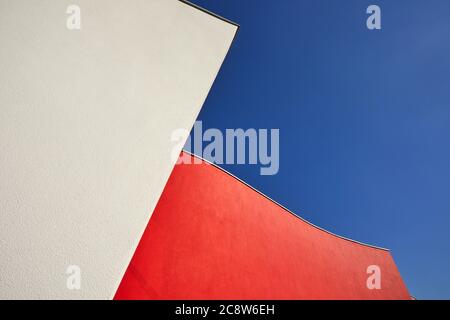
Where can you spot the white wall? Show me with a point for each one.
(85, 124)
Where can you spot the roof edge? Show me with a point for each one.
(209, 12)
(281, 206)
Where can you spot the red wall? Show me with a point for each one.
(213, 237)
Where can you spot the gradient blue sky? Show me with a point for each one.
(364, 119)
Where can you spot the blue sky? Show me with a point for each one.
(364, 119)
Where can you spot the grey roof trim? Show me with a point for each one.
(209, 12)
(283, 207)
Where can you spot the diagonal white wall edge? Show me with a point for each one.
(86, 118)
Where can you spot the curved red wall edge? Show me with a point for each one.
(213, 237)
